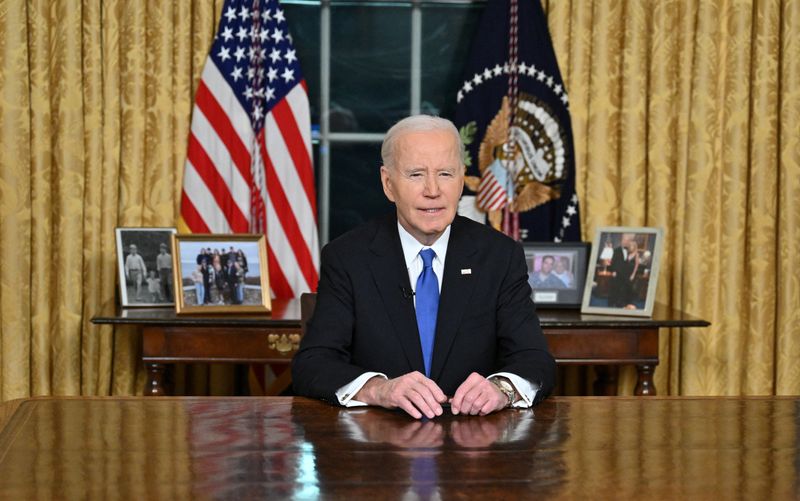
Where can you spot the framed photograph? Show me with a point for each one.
(144, 263)
(221, 274)
(556, 272)
(623, 271)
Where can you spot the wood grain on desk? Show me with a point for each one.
(240, 448)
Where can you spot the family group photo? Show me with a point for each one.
(220, 271)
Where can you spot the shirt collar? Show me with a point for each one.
(411, 245)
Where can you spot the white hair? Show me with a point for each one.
(418, 123)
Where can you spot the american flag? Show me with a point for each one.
(493, 190)
(248, 166)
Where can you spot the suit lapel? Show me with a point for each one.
(388, 268)
(457, 289)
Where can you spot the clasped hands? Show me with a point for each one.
(419, 396)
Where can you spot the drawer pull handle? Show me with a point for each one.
(284, 343)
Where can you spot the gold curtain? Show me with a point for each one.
(94, 115)
(686, 115)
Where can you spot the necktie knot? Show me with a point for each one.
(427, 256)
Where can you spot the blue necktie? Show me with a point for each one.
(427, 298)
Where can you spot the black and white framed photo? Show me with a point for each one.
(144, 262)
(623, 271)
(556, 272)
(221, 274)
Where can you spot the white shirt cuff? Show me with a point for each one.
(527, 390)
(346, 393)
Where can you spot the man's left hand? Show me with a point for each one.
(477, 396)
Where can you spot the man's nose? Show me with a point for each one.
(431, 186)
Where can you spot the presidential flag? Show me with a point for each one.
(513, 114)
(248, 166)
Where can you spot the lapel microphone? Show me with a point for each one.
(407, 294)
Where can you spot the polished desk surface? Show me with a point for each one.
(280, 447)
(286, 313)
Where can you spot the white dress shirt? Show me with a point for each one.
(411, 249)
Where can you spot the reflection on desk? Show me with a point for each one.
(242, 448)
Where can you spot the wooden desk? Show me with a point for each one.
(281, 448)
(573, 338)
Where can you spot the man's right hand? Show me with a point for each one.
(412, 392)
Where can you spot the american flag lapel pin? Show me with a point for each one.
(466, 271)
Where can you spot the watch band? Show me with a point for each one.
(506, 388)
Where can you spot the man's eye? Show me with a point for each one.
(446, 174)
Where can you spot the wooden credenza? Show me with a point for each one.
(573, 338)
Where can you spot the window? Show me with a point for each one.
(368, 64)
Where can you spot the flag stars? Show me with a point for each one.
(230, 14)
(263, 35)
(236, 74)
(540, 76)
(242, 34)
(549, 81)
(248, 92)
(565, 221)
(459, 96)
(277, 35)
(487, 74)
(272, 74)
(557, 89)
(291, 56)
(467, 86)
(531, 70)
(477, 79)
(270, 93)
(279, 16)
(244, 13)
(267, 15)
(257, 113)
(227, 33)
(288, 75)
(224, 53)
(497, 70)
(239, 54)
(275, 55)
(523, 68)
(571, 210)
(251, 73)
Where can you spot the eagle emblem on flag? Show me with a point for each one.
(523, 172)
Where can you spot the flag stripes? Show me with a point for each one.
(249, 161)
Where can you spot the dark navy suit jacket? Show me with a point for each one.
(364, 318)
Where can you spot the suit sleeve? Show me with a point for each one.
(322, 365)
(522, 348)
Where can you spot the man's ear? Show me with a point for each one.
(386, 183)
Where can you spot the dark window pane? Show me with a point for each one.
(370, 67)
(356, 193)
(303, 23)
(447, 33)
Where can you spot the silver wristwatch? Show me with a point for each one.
(505, 386)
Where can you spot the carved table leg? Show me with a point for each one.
(644, 383)
(155, 381)
(606, 382)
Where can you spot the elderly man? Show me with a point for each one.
(423, 307)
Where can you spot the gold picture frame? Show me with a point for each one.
(221, 274)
